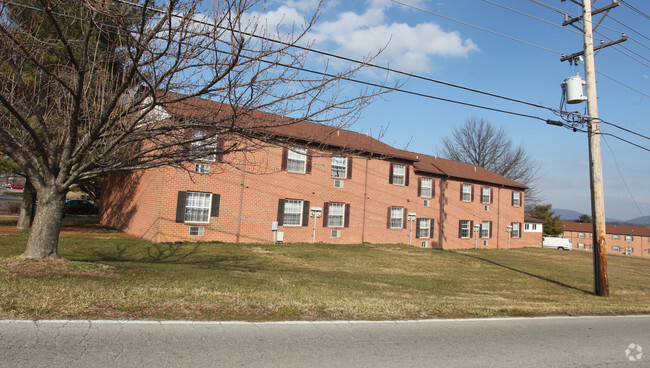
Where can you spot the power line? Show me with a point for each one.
(635, 9)
(618, 168)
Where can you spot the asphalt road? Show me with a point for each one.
(539, 342)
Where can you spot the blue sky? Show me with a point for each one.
(432, 46)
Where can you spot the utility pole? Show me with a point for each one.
(601, 281)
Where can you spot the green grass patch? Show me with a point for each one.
(109, 275)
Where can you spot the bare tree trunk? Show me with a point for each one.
(27, 206)
(43, 240)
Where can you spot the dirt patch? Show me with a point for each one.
(44, 267)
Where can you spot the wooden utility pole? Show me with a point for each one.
(601, 281)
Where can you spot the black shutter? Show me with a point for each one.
(491, 196)
(280, 212)
(471, 229)
(490, 229)
(417, 228)
(390, 174)
(308, 162)
(407, 168)
(433, 188)
(216, 199)
(512, 199)
(285, 159)
(420, 186)
(219, 152)
(472, 199)
(388, 219)
(305, 213)
(349, 168)
(431, 227)
(460, 228)
(180, 207)
(326, 214)
(404, 217)
(346, 222)
(462, 185)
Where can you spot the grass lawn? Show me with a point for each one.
(108, 275)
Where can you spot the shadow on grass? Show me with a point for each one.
(526, 273)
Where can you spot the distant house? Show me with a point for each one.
(533, 231)
(309, 182)
(620, 239)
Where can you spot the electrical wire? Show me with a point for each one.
(635, 9)
(618, 168)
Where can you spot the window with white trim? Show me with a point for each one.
(581, 235)
(616, 249)
(197, 230)
(425, 187)
(399, 173)
(467, 192)
(396, 217)
(516, 198)
(339, 167)
(526, 227)
(205, 143)
(201, 168)
(424, 228)
(485, 229)
(336, 216)
(628, 238)
(297, 159)
(581, 245)
(465, 230)
(615, 237)
(629, 250)
(485, 195)
(197, 207)
(292, 212)
(515, 229)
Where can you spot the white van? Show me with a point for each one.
(556, 243)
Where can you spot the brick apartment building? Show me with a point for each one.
(365, 190)
(620, 239)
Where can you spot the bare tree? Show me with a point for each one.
(479, 143)
(89, 88)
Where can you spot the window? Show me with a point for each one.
(515, 229)
(335, 233)
(201, 168)
(628, 238)
(581, 235)
(336, 214)
(197, 207)
(296, 159)
(485, 229)
(534, 227)
(292, 212)
(466, 194)
(424, 228)
(526, 227)
(629, 250)
(197, 230)
(581, 245)
(399, 173)
(339, 167)
(486, 194)
(204, 144)
(615, 237)
(396, 217)
(516, 198)
(465, 229)
(425, 187)
(616, 249)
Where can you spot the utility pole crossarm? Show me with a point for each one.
(596, 48)
(595, 12)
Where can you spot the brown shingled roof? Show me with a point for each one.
(609, 228)
(332, 137)
(532, 219)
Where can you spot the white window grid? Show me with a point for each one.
(516, 199)
(425, 228)
(581, 235)
(465, 229)
(339, 167)
(615, 237)
(208, 145)
(526, 227)
(425, 187)
(197, 230)
(292, 212)
(201, 168)
(396, 217)
(399, 172)
(467, 192)
(197, 207)
(336, 215)
(485, 229)
(628, 238)
(297, 159)
(515, 230)
(485, 195)
(629, 250)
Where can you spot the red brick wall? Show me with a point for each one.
(145, 204)
(640, 244)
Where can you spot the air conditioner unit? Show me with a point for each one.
(338, 183)
(426, 203)
(424, 244)
(336, 233)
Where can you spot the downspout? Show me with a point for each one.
(365, 200)
(499, 217)
(241, 197)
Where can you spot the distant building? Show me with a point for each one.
(533, 232)
(620, 239)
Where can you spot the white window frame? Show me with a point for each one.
(581, 245)
(516, 198)
(396, 214)
(629, 250)
(399, 174)
(615, 237)
(209, 144)
(201, 168)
(485, 195)
(581, 235)
(339, 167)
(199, 231)
(197, 207)
(425, 187)
(296, 207)
(526, 226)
(465, 230)
(485, 229)
(424, 232)
(297, 160)
(629, 238)
(515, 230)
(336, 215)
(467, 192)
